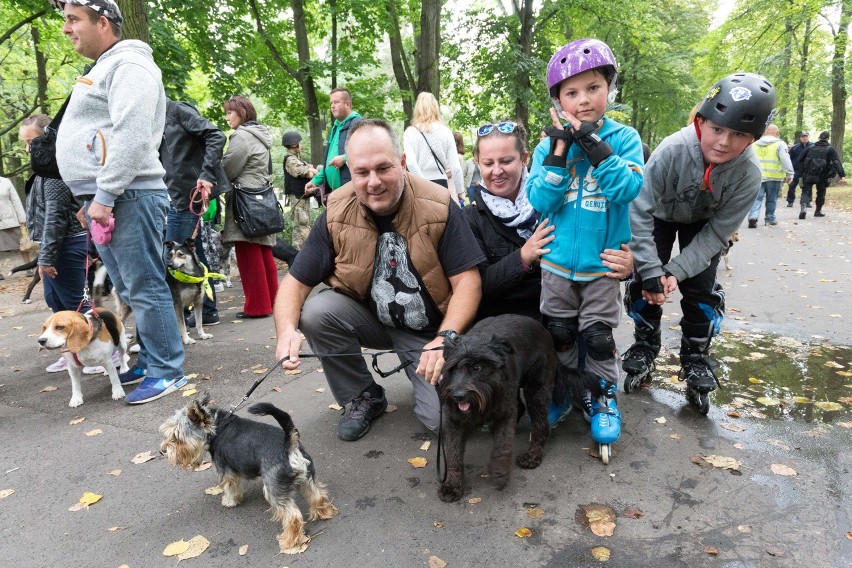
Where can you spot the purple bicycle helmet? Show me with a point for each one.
(742, 101)
(577, 56)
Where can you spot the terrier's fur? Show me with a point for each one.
(87, 340)
(182, 258)
(734, 238)
(242, 449)
(483, 372)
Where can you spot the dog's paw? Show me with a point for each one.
(499, 482)
(529, 461)
(75, 401)
(728, 267)
(188, 340)
(118, 394)
(27, 301)
(229, 501)
(324, 511)
(134, 348)
(450, 493)
(205, 336)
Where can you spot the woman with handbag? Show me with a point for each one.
(247, 165)
(430, 149)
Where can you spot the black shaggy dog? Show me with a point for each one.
(483, 372)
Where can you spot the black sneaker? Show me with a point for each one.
(803, 214)
(208, 320)
(819, 214)
(789, 204)
(752, 223)
(362, 411)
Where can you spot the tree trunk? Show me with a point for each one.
(306, 81)
(785, 89)
(838, 78)
(41, 73)
(333, 5)
(526, 17)
(135, 14)
(803, 74)
(429, 48)
(401, 68)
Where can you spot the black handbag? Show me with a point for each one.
(257, 211)
(43, 148)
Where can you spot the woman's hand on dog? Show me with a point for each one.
(431, 362)
(288, 347)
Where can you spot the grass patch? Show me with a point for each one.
(839, 197)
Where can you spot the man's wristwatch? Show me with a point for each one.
(449, 334)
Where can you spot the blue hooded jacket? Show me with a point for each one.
(590, 207)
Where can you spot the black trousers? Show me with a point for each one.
(791, 192)
(807, 188)
(703, 301)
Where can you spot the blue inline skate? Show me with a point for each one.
(604, 418)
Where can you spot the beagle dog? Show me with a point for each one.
(87, 340)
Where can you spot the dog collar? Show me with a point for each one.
(203, 280)
(92, 329)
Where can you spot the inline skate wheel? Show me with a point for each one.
(704, 403)
(603, 450)
(630, 383)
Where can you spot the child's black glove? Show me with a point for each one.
(596, 149)
(653, 285)
(558, 134)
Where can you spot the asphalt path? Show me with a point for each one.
(794, 280)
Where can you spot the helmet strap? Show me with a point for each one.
(710, 166)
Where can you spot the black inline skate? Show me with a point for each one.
(638, 361)
(697, 369)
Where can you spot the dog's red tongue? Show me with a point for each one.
(464, 406)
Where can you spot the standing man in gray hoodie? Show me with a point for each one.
(107, 152)
(775, 167)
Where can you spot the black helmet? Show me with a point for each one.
(742, 101)
(291, 138)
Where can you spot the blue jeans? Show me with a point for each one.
(770, 189)
(134, 261)
(180, 227)
(65, 292)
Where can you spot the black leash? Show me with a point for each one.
(441, 449)
(374, 354)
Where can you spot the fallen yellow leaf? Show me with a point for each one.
(94, 432)
(711, 551)
(829, 406)
(335, 406)
(601, 553)
(845, 424)
(215, 490)
(189, 392)
(298, 548)
(781, 469)
(768, 401)
(87, 499)
(77, 420)
(523, 532)
(755, 380)
(188, 386)
(833, 365)
(675, 436)
(321, 389)
(801, 400)
(197, 545)
(191, 376)
(435, 562)
(177, 547)
(276, 389)
(474, 500)
(438, 525)
(535, 513)
(417, 462)
(291, 372)
(390, 408)
(732, 427)
(143, 457)
(744, 528)
(5, 493)
(48, 389)
(116, 529)
(114, 473)
(261, 371)
(722, 462)
(425, 445)
(660, 420)
(243, 550)
(602, 528)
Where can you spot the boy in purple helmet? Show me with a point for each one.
(699, 185)
(584, 176)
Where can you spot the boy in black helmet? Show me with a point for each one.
(699, 185)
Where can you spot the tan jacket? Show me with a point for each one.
(421, 219)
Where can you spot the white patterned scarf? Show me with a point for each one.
(518, 214)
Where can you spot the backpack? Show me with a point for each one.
(816, 166)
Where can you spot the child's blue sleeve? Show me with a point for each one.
(620, 175)
(546, 184)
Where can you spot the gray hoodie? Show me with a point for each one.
(109, 138)
(781, 152)
(674, 192)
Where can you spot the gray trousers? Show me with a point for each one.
(335, 323)
(590, 302)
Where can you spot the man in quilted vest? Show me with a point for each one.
(401, 264)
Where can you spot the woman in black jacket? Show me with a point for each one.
(63, 255)
(507, 229)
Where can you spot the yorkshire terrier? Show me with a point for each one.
(243, 449)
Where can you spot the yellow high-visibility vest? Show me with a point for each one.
(770, 163)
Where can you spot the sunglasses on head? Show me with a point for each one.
(505, 127)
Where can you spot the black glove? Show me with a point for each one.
(654, 285)
(596, 149)
(558, 134)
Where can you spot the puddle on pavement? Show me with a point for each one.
(769, 376)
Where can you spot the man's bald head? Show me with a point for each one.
(772, 130)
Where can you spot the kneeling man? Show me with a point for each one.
(401, 263)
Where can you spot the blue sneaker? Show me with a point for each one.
(558, 412)
(153, 388)
(132, 376)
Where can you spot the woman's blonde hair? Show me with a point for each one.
(426, 112)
